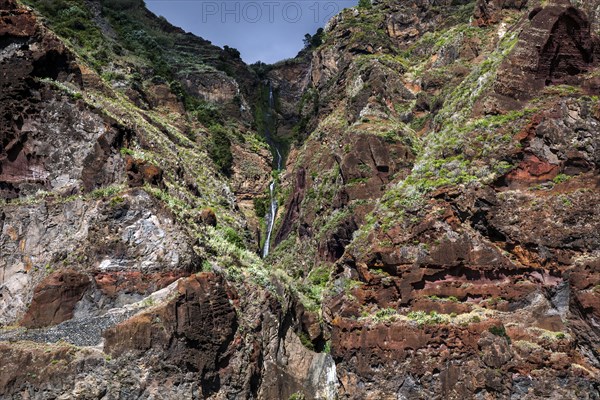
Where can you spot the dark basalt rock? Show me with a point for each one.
(332, 248)
(557, 47)
(194, 329)
(293, 207)
(207, 217)
(489, 11)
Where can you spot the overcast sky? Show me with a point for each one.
(264, 30)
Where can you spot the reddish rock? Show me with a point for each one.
(532, 170)
(113, 283)
(370, 164)
(17, 23)
(54, 299)
(362, 347)
(207, 217)
(556, 47)
(140, 172)
(490, 11)
(293, 206)
(441, 306)
(194, 329)
(162, 96)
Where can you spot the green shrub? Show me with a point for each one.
(422, 318)
(116, 201)
(125, 151)
(314, 41)
(219, 149)
(499, 331)
(385, 314)
(297, 396)
(107, 191)
(560, 178)
(206, 113)
(232, 237)
(260, 206)
(122, 5)
(207, 266)
(72, 20)
(306, 342)
(319, 276)
(364, 4)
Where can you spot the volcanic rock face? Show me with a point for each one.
(33, 125)
(555, 48)
(438, 231)
(111, 204)
(456, 289)
(194, 329)
(139, 172)
(55, 298)
(490, 12)
(113, 237)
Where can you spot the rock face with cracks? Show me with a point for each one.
(437, 233)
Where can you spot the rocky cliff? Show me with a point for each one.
(437, 235)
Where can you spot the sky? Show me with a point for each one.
(262, 30)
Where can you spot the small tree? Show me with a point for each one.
(364, 3)
(307, 40)
(313, 41)
(317, 38)
(219, 149)
(233, 52)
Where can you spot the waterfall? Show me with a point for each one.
(270, 217)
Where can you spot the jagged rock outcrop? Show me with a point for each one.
(563, 49)
(289, 80)
(117, 236)
(490, 12)
(467, 269)
(55, 298)
(42, 149)
(194, 330)
(111, 203)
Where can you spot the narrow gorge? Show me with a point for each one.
(407, 209)
(270, 136)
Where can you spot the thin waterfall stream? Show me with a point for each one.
(272, 214)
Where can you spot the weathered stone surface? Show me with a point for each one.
(116, 283)
(140, 172)
(293, 208)
(438, 234)
(489, 11)
(118, 236)
(49, 141)
(556, 47)
(207, 216)
(54, 299)
(194, 329)
(289, 81)
(161, 96)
